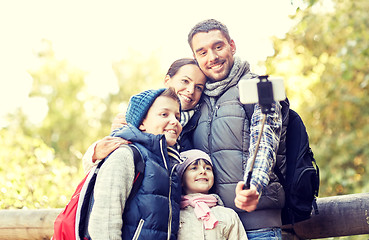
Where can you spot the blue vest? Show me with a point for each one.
(154, 211)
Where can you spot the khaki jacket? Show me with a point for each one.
(229, 225)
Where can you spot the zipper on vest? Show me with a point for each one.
(162, 153)
(170, 190)
(216, 110)
(213, 115)
(138, 229)
(170, 203)
(210, 120)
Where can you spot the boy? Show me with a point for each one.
(153, 125)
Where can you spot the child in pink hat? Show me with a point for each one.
(203, 215)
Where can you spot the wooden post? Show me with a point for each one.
(27, 224)
(344, 215)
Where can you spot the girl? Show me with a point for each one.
(203, 215)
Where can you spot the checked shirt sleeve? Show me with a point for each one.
(266, 155)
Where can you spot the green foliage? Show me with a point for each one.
(43, 162)
(30, 175)
(62, 86)
(324, 60)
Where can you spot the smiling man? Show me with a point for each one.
(226, 133)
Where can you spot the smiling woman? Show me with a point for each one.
(188, 81)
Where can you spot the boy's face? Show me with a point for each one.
(198, 177)
(214, 54)
(163, 118)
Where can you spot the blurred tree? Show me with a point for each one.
(65, 127)
(30, 174)
(134, 74)
(325, 60)
(45, 160)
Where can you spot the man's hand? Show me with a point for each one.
(107, 145)
(119, 121)
(246, 199)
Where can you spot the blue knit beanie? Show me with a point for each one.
(139, 106)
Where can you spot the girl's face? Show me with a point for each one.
(198, 177)
(163, 118)
(189, 83)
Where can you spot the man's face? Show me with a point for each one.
(214, 54)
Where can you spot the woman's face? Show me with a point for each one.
(163, 118)
(189, 83)
(198, 177)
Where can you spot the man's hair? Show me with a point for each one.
(206, 26)
(176, 65)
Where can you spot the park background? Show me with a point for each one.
(68, 67)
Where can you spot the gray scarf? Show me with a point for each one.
(214, 89)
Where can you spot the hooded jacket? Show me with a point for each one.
(153, 213)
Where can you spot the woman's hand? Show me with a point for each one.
(107, 145)
(119, 121)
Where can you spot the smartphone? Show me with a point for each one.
(249, 90)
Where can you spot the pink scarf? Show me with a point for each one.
(201, 203)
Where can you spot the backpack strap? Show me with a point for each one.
(139, 171)
(87, 204)
(249, 110)
(88, 198)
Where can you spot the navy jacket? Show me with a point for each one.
(154, 211)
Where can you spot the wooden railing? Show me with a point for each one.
(344, 215)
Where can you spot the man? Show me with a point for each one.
(226, 133)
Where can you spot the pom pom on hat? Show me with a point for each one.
(140, 104)
(188, 157)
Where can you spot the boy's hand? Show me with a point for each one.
(246, 199)
(119, 121)
(107, 145)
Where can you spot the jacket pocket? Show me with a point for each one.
(138, 229)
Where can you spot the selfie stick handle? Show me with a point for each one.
(248, 180)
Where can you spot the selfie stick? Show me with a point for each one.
(266, 98)
(247, 185)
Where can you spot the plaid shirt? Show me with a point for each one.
(266, 155)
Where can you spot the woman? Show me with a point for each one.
(188, 81)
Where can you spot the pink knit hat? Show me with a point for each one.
(188, 157)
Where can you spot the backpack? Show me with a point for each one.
(72, 220)
(301, 184)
